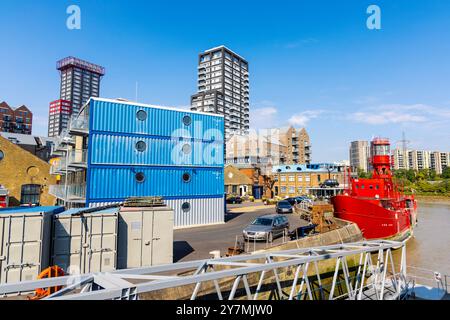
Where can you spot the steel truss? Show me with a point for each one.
(372, 279)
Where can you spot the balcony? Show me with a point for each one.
(77, 159)
(79, 126)
(69, 193)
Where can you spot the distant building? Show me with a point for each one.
(80, 80)
(237, 183)
(296, 180)
(420, 159)
(360, 155)
(18, 120)
(223, 88)
(58, 117)
(116, 149)
(298, 145)
(269, 147)
(36, 145)
(25, 176)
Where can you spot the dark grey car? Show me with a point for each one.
(267, 227)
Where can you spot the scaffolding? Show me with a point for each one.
(374, 277)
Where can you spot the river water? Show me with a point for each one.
(429, 249)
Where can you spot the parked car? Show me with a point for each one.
(292, 201)
(330, 183)
(284, 207)
(267, 228)
(234, 200)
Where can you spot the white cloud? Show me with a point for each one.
(399, 113)
(301, 119)
(263, 117)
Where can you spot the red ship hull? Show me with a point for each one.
(375, 221)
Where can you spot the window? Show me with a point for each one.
(283, 189)
(186, 177)
(283, 178)
(187, 120)
(291, 178)
(141, 115)
(300, 178)
(186, 148)
(141, 146)
(140, 177)
(30, 194)
(186, 207)
(291, 189)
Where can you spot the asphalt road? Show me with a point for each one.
(196, 243)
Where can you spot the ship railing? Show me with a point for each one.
(429, 277)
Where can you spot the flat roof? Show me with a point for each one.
(45, 209)
(72, 61)
(224, 47)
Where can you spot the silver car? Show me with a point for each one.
(267, 228)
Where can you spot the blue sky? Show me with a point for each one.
(312, 63)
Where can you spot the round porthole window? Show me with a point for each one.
(2, 155)
(141, 146)
(140, 177)
(187, 120)
(186, 207)
(186, 148)
(186, 177)
(141, 115)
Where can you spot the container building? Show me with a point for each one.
(115, 149)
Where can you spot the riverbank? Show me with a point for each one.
(433, 199)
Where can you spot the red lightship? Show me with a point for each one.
(378, 205)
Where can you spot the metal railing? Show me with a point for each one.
(70, 192)
(77, 158)
(247, 274)
(79, 124)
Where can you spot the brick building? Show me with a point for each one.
(25, 176)
(18, 120)
(297, 180)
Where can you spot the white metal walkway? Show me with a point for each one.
(374, 277)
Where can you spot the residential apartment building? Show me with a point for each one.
(223, 88)
(18, 120)
(116, 149)
(59, 116)
(80, 80)
(298, 145)
(271, 146)
(420, 159)
(360, 155)
(297, 180)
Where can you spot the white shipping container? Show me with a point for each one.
(85, 243)
(25, 241)
(145, 236)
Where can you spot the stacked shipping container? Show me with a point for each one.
(142, 150)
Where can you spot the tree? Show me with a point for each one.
(446, 173)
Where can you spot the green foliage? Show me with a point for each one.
(446, 173)
(425, 182)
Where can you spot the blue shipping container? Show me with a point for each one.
(132, 118)
(110, 183)
(146, 150)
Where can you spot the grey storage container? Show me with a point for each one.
(85, 242)
(25, 242)
(145, 236)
